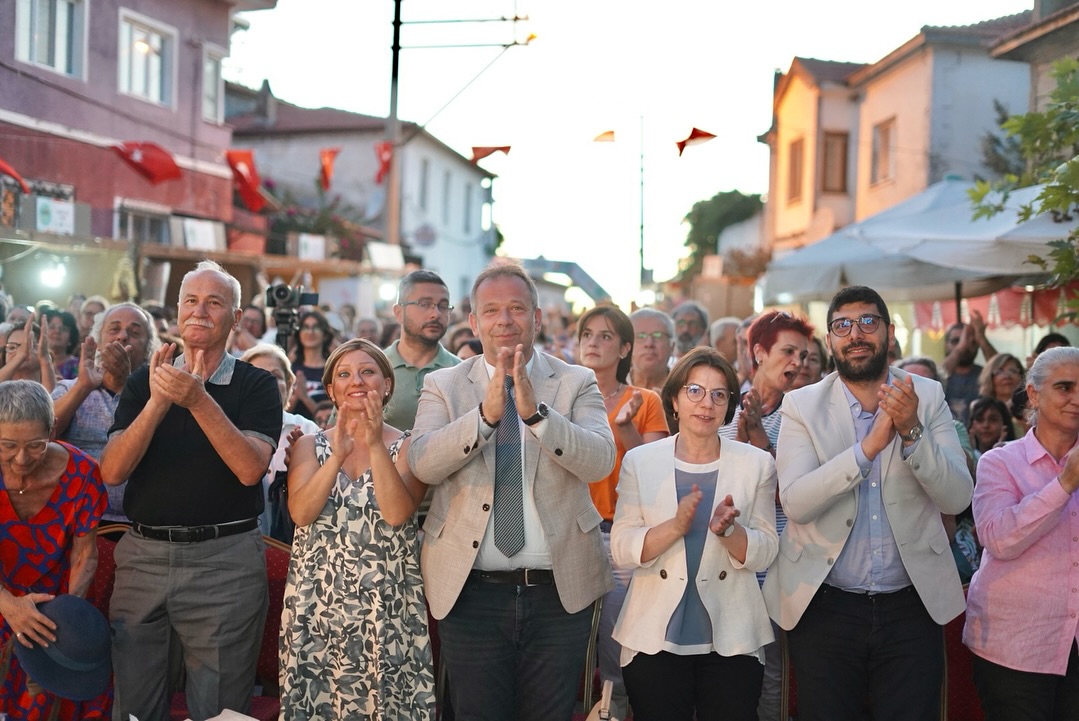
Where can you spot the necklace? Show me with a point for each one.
(613, 393)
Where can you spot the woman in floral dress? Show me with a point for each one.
(354, 642)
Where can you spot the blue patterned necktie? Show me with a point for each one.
(509, 520)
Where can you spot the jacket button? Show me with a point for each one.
(722, 575)
(850, 522)
(663, 573)
(831, 561)
(558, 451)
(467, 449)
(486, 506)
(475, 544)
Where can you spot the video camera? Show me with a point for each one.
(285, 300)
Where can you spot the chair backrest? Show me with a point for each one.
(105, 575)
(278, 555)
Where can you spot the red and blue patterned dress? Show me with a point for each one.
(35, 557)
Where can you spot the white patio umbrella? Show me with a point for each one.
(948, 236)
(817, 271)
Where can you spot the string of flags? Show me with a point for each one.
(157, 165)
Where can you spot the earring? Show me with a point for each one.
(758, 360)
(674, 414)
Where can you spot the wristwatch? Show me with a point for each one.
(542, 411)
(914, 433)
(730, 531)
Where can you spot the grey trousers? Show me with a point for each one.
(211, 597)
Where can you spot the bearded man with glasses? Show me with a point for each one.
(423, 310)
(868, 460)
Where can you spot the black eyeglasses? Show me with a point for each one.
(656, 335)
(428, 305)
(695, 394)
(867, 323)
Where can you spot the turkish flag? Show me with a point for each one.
(696, 135)
(150, 160)
(246, 178)
(384, 153)
(8, 170)
(326, 158)
(479, 152)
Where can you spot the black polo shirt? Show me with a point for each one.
(181, 480)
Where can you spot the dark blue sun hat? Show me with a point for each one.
(77, 666)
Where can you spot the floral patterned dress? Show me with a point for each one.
(35, 557)
(354, 641)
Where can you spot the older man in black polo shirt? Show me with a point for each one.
(194, 436)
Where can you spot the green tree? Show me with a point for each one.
(707, 219)
(1048, 142)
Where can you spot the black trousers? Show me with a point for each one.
(854, 653)
(669, 687)
(1010, 695)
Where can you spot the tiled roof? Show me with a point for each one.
(828, 70)
(294, 119)
(987, 29)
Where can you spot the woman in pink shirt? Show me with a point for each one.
(1023, 602)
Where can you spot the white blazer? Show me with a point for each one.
(647, 497)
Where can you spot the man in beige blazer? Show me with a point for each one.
(514, 619)
(868, 460)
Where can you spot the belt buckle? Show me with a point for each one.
(527, 582)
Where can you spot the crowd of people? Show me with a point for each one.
(485, 475)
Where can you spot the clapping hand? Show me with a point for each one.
(687, 508)
(724, 515)
(90, 373)
(629, 409)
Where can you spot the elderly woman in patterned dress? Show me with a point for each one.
(354, 629)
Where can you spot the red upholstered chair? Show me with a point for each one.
(959, 701)
(100, 592)
(267, 705)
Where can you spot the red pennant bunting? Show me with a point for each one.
(246, 178)
(696, 135)
(384, 153)
(149, 160)
(326, 158)
(479, 152)
(604, 137)
(8, 170)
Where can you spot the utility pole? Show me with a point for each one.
(393, 191)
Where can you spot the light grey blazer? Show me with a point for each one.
(449, 452)
(647, 496)
(818, 488)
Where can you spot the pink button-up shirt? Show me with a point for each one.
(1023, 602)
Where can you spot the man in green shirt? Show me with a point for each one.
(423, 310)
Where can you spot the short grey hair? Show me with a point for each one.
(1043, 367)
(917, 360)
(415, 278)
(691, 306)
(26, 402)
(234, 284)
(505, 269)
(656, 314)
(719, 327)
(267, 350)
(152, 341)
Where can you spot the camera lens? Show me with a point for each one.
(282, 292)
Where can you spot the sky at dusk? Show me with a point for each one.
(595, 65)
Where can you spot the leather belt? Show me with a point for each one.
(194, 534)
(518, 576)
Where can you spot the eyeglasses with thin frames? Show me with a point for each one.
(656, 335)
(868, 323)
(34, 448)
(428, 305)
(695, 393)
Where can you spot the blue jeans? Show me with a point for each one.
(512, 652)
(852, 652)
